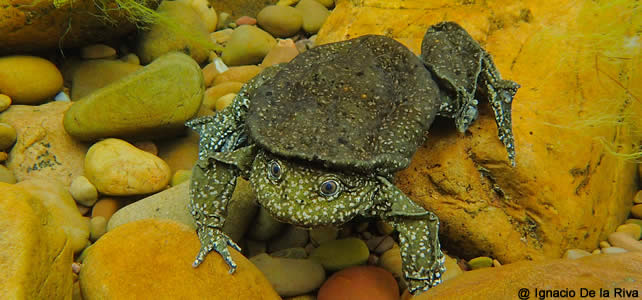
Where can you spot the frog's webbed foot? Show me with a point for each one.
(465, 73)
(214, 239)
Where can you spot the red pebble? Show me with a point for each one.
(245, 20)
(360, 283)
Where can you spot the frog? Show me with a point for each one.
(321, 137)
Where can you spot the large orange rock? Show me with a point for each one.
(35, 254)
(579, 98)
(612, 272)
(152, 259)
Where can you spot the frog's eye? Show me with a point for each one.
(274, 170)
(329, 188)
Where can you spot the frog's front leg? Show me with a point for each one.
(423, 261)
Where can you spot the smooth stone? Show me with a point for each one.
(180, 176)
(207, 13)
(340, 254)
(575, 253)
(247, 45)
(117, 168)
(391, 262)
(288, 276)
(604, 244)
(224, 101)
(5, 101)
(614, 250)
(91, 75)
(29, 79)
(245, 20)
(297, 252)
(157, 264)
(147, 146)
(452, 269)
(180, 153)
(480, 262)
(83, 191)
(634, 221)
(280, 21)
(224, 19)
(302, 297)
(632, 229)
(214, 93)
(209, 72)
(6, 175)
(97, 227)
(314, 15)
(386, 243)
(35, 253)
(265, 226)
(283, 52)
(221, 36)
(241, 210)
(326, 3)
(360, 283)
(254, 248)
(291, 237)
(168, 92)
(596, 251)
(241, 74)
(131, 58)
(106, 207)
(384, 227)
(636, 211)
(7, 136)
(62, 208)
(373, 242)
(625, 241)
(637, 199)
(322, 234)
(62, 96)
(97, 51)
(161, 39)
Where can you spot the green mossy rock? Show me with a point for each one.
(248, 45)
(150, 103)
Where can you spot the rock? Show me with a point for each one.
(575, 253)
(224, 20)
(240, 74)
(180, 176)
(209, 72)
(241, 210)
(386, 243)
(97, 227)
(35, 254)
(290, 277)
(302, 297)
(326, 3)
(487, 207)
(283, 52)
(180, 153)
(613, 250)
(147, 146)
(188, 37)
(247, 45)
(7, 136)
(245, 20)
(214, 93)
(360, 283)
(62, 209)
(314, 15)
(106, 207)
(168, 92)
(254, 248)
(29, 79)
(452, 269)
(625, 241)
(280, 21)
(591, 272)
(44, 25)
(297, 252)
(5, 101)
(340, 254)
(604, 244)
(637, 199)
(223, 101)
(320, 235)
(634, 230)
(291, 237)
(158, 264)
(89, 76)
(634, 221)
(83, 191)
(391, 262)
(131, 58)
(636, 211)
(240, 8)
(6, 175)
(480, 262)
(117, 168)
(207, 13)
(97, 51)
(265, 226)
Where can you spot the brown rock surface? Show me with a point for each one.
(239, 8)
(567, 190)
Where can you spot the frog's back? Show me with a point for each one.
(361, 105)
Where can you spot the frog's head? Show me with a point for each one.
(307, 195)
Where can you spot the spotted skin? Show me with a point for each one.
(320, 138)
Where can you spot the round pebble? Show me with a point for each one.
(385, 245)
(291, 237)
(241, 74)
(131, 58)
(224, 19)
(7, 175)
(636, 211)
(613, 250)
(360, 283)
(3, 156)
(105, 207)
(326, 3)
(223, 101)
(221, 36)
(596, 251)
(209, 72)
(604, 244)
(245, 20)
(7, 136)
(83, 191)
(624, 240)
(452, 269)
(180, 176)
(214, 93)
(634, 221)
(480, 262)
(280, 21)
(384, 227)
(633, 229)
(288, 276)
(265, 226)
(97, 51)
(575, 253)
(391, 262)
(248, 45)
(296, 252)
(314, 15)
(340, 254)
(283, 52)
(97, 227)
(29, 79)
(5, 102)
(320, 235)
(147, 146)
(207, 13)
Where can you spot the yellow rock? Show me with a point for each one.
(117, 168)
(91, 75)
(180, 176)
(97, 51)
(223, 101)
(5, 101)
(7, 136)
(212, 94)
(158, 265)
(480, 262)
(283, 52)
(180, 153)
(557, 193)
(314, 15)
(6, 175)
(238, 74)
(29, 79)
(35, 255)
(63, 212)
(634, 230)
(247, 45)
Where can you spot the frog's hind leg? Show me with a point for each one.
(465, 73)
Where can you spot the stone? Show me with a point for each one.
(83, 191)
(280, 21)
(290, 277)
(180, 153)
(291, 237)
(634, 230)
(188, 37)
(29, 79)
(180, 176)
(168, 92)
(247, 45)
(241, 209)
(91, 75)
(43, 148)
(326, 3)
(35, 254)
(360, 283)
(340, 254)
(209, 72)
(625, 241)
(158, 264)
(214, 93)
(240, 74)
(297, 252)
(253, 248)
(604, 244)
(634, 221)
(224, 20)
(480, 262)
(97, 51)
(106, 207)
(384, 227)
(575, 253)
(207, 13)
(45, 25)
(63, 212)
(240, 8)
(223, 101)
(452, 269)
(591, 272)
(636, 211)
(636, 200)
(302, 297)
(487, 207)
(391, 262)
(283, 52)
(320, 235)
(314, 15)
(97, 227)
(386, 243)
(221, 36)
(7, 136)
(117, 168)
(147, 146)
(265, 226)
(613, 250)
(245, 20)
(5, 101)
(6, 175)
(131, 58)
